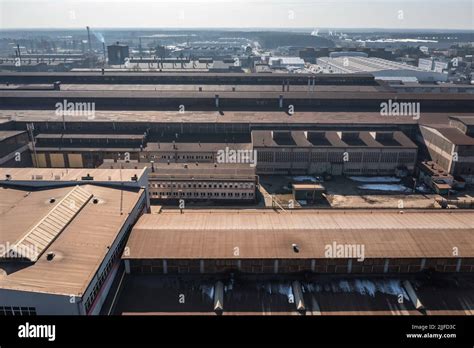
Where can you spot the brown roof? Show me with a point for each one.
(8, 134)
(254, 117)
(454, 135)
(268, 234)
(79, 248)
(331, 139)
(69, 174)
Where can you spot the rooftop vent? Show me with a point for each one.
(296, 248)
(50, 256)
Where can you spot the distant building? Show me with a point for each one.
(285, 62)
(348, 54)
(380, 68)
(430, 64)
(117, 53)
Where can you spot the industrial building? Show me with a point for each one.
(286, 62)
(63, 233)
(117, 53)
(333, 152)
(379, 68)
(273, 242)
(451, 146)
(198, 181)
(266, 262)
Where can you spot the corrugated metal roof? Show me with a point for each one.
(40, 237)
(257, 234)
(80, 247)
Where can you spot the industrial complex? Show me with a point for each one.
(226, 172)
(168, 184)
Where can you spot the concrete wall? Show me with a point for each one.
(45, 304)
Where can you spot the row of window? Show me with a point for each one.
(338, 157)
(203, 185)
(204, 194)
(17, 311)
(180, 157)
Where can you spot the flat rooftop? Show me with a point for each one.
(190, 170)
(348, 94)
(79, 249)
(350, 64)
(212, 88)
(246, 117)
(89, 175)
(263, 234)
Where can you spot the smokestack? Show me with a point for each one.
(89, 39)
(19, 52)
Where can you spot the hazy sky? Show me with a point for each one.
(402, 14)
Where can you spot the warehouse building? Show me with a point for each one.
(379, 68)
(258, 262)
(198, 182)
(270, 242)
(451, 146)
(63, 232)
(333, 152)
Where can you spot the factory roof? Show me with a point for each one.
(252, 117)
(330, 139)
(351, 64)
(90, 136)
(79, 247)
(68, 175)
(211, 88)
(75, 95)
(270, 234)
(192, 170)
(5, 134)
(453, 134)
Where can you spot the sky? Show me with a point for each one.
(390, 14)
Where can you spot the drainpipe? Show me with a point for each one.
(219, 297)
(298, 296)
(412, 295)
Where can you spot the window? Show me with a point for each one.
(24, 311)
